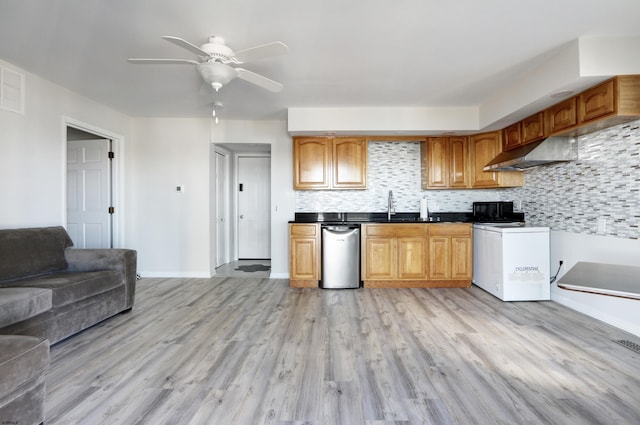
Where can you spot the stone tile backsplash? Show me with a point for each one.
(604, 183)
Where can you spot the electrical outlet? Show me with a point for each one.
(602, 224)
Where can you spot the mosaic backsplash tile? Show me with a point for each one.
(604, 183)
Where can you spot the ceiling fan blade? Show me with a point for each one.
(186, 45)
(268, 50)
(259, 80)
(163, 61)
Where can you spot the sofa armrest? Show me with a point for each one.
(123, 260)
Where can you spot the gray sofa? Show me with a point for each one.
(49, 292)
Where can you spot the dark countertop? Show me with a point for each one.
(380, 217)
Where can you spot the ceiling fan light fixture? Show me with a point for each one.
(216, 74)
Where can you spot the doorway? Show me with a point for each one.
(90, 187)
(222, 207)
(249, 236)
(254, 207)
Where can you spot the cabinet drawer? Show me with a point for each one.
(304, 230)
(395, 230)
(461, 229)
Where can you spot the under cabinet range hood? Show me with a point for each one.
(547, 151)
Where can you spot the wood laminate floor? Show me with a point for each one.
(253, 351)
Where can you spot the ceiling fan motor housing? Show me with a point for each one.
(217, 49)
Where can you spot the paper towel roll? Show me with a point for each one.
(424, 209)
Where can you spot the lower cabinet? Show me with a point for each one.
(392, 252)
(450, 256)
(416, 255)
(304, 255)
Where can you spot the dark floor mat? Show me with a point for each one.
(253, 268)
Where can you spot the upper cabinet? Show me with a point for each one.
(349, 163)
(329, 163)
(445, 163)
(610, 103)
(483, 148)
(562, 116)
(530, 129)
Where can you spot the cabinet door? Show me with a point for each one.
(303, 262)
(562, 115)
(458, 160)
(512, 136)
(311, 162)
(411, 258)
(437, 162)
(350, 163)
(484, 147)
(596, 102)
(380, 259)
(533, 128)
(439, 258)
(461, 258)
(304, 254)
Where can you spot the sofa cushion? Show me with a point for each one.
(18, 304)
(32, 251)
(69, 287)
(22, 358)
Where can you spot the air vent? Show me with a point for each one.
(629, 344)
(11, 90)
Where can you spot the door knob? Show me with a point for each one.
(241, 215)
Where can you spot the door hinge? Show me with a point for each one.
(111, 155)
(112, 210)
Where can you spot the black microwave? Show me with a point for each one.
(495, 211)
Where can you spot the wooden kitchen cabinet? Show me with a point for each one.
(304, 255)
(329, 163)
(615, 101)
(483, 148)
(450, 255)
(416, 255)
(532, 128)
(512, 136)
(597, 102)
(349, 163)
(393, 253)
(562, 116)
(445, 163)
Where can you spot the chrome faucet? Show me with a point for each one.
(390, 210)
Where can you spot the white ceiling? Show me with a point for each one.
(342, 53)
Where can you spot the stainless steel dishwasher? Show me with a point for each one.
(340, 256)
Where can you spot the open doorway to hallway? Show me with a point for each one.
(90, 186)
(241, 203)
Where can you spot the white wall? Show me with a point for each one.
(170, 229)
(573, 247)
(282, 194)
(33, 151)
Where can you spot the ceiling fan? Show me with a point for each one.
(216, 60)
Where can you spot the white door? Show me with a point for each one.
(89, 193)
(254, 207)
(222, 219)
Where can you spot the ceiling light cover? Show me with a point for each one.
(216, 74)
